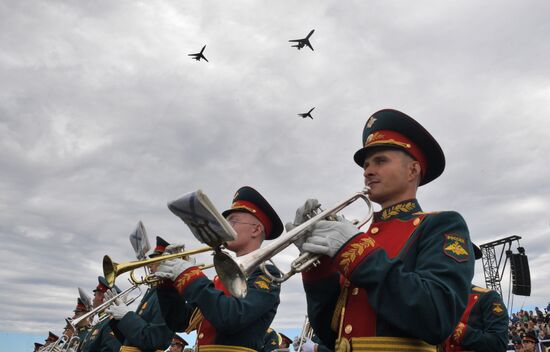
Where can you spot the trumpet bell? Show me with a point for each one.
(109, 270)
(112, 269)
(231, 274)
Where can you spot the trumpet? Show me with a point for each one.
(234, 271)
(63, 344)
(307, 331)
(111, 270)
(74, 322)
(57, 346)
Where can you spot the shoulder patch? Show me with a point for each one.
(262, 282)
(497, 309)
(455, 246)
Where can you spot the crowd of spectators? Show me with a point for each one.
(530, 323)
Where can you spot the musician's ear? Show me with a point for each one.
(415, 171)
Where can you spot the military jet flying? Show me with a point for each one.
(199, 56)
(307, 114)
(300, 43)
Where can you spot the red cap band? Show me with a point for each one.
(160, 248)
(101, 288)
(396, 139)
(257, 212)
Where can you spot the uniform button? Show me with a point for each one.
(348, 329)
(416, 221)
(374, 230)
(201, 335)
(355, 291)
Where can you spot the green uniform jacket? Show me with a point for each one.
(146, 327)
(409, 276)
(100, 339)
(484, 324)
(320, 346)
(82, 333)
(271, 341)
(229, 320)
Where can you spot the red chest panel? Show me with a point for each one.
(360, 318)
(206, 334)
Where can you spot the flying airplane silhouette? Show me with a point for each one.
(307, 114)
(198, 56)
(300, 43)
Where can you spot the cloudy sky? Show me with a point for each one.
(104, 118)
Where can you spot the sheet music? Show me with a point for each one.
(206, 223)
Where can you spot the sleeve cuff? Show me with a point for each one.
(319, 272)
(354, 252)
(187, 277)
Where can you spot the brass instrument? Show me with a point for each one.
(99, 309)
(307, 331)
(57, 345)
(111, 270)
(63, 344)
(72, 344)
(234, 271)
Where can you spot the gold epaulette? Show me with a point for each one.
(480, 289)
(426, 212)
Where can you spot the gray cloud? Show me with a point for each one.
(104, 118)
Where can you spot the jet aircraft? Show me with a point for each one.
(199, 56)
(307, 114)
(300, 43)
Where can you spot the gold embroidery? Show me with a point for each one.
(373, 137)
(356, 250)
(456, 238)
(497, 308)
(261, 284)
(396, 209)
(456, 248)
(459, 331)
(390, 141)
(186, 277)
(238, 205)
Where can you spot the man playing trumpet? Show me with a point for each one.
(146, 328)
(227, 323)
(101, 336)
(403, 284)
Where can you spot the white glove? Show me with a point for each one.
(307, 345)
(171, 269)
(327, 237)
(303, 213)
(109, 294)
(118, 312)
(174, 248)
